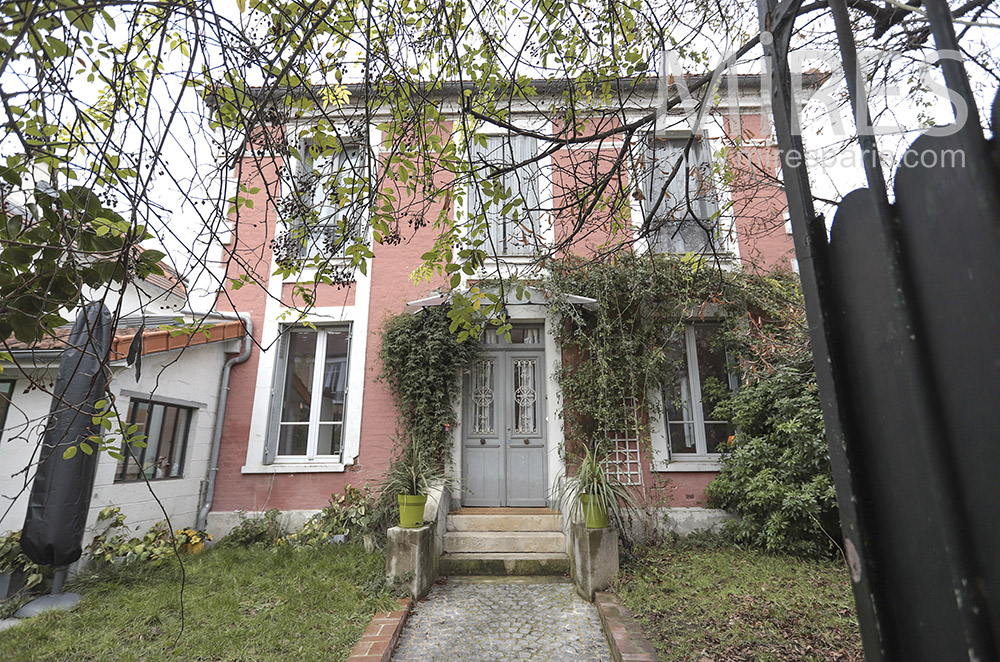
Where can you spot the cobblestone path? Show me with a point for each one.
(495, 620)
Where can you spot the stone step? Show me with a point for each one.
(505, 541)
(504, 564)
(540, 522)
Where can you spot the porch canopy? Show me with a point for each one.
(536, 297)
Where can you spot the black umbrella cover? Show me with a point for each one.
(60, 495)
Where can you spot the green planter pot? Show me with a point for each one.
(594, 512)
(411, 510)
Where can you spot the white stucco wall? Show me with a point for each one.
(189, 379)
(18, 443)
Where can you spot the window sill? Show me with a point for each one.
(308, 274)
(693, 464)
(295, 468)
(140, 481)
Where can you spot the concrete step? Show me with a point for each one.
(504, 564)
(505, 541)
(540, 522)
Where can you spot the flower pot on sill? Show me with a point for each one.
(595, 512)
(411, 510)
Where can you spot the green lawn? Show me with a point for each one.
(239, 604)
(709, 602)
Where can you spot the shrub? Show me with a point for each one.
(776, 473)
(256, 531)
(348, 514)
(114, 543)
(12, 559)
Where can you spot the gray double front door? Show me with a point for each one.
(503, 450)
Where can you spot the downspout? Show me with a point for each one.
(213, 467)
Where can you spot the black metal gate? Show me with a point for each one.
(904, 307)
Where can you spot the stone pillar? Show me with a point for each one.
(593, 558)
(409, 553)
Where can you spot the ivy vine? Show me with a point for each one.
(422, 363)
(626, 349)
(776, 472)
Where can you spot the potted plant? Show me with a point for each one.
(592, 493)
(410, 477)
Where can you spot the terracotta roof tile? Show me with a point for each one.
(153, 340)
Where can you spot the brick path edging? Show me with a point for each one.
(380, 637)
(625, 637)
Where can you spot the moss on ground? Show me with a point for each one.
(714, 603)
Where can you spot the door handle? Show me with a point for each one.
(527, 441)
(482, 441)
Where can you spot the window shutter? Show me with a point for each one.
(677, 230)
(497, 154)
(526, 185)
(349, 165)
(277, 394)
(325, 203)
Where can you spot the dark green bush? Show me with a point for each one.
(776, 474)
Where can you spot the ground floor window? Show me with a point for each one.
(162, 430)
(311, 393)
(691, 431)
(6, 394)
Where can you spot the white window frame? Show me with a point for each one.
(271, 455)
(701, 459)
(6, 397)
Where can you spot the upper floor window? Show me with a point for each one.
(688, 403)
(683, 207)
(310, 394)
(320, 207)
(161, 453)
(509, 200)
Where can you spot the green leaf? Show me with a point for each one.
(69, 452)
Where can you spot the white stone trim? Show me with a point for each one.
(280, 467)
(357, 317)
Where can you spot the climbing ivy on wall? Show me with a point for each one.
(776, 472)
(422, 363)
(616, 355)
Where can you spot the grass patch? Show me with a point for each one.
(704, 601)
(239, 604)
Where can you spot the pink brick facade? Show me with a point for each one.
(245, 482)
